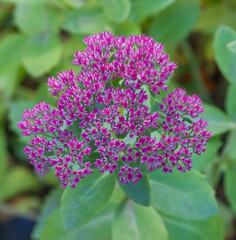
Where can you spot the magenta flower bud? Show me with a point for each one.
(105, 105)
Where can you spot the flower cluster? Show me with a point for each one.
(102, 119)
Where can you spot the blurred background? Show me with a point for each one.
(38, 39)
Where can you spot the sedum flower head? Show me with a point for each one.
(102, 120)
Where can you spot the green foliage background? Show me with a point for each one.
(38, 39)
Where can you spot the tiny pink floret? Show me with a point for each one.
(106, 100)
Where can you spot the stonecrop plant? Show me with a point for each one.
(102, 119)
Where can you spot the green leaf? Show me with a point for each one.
(175, 23)
(17, 145)
(10, 51)
(92, 157)
(85, 20)
(218, 121)
(10, 78)
(33, 19)
(41, 53)
(43, 95)
(70, 46)
(209, 229)
(229, 149)
(232, 46)
(16, 109)
(98, 228)
(75, 3)
(54, 228)
(208, 22)
(18, 180)
(142, 9)
(75, 129)
(126, 29)
(225, 58)
(2, 106)
(227, 217)
(230, 103)
(139, 192)
(150, 101)
(116, 10)
(35, 2)
(229, 184)
(52, 203)
(3, 152)
(80, 205)
(117, 196)
(156, 135)
(49, 179)
(133, 221)
(201, 161)
(183, 195)
(4, 13)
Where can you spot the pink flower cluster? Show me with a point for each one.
(102, 119)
